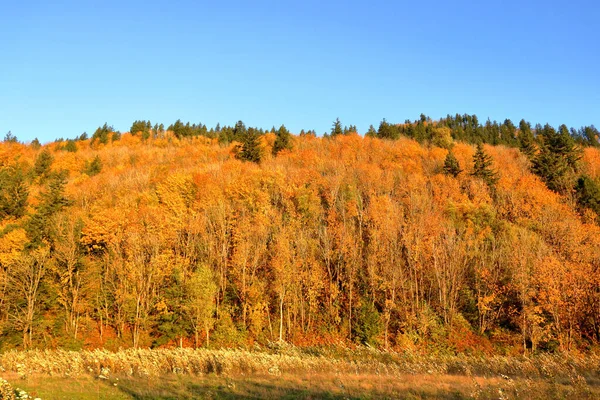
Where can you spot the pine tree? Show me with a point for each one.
(588, 194)
(482, 167)
(451, 165)
(526, 139)
(14, 192)
(94, 167)
(250, 149)
(101, 134)
(42, 164)
(371, 132)
(282, 140)
(336, 129)
(556, 161)
(52, 201)
(35, 144)
(10, 138)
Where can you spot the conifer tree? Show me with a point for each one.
(556, 161)
(94, 167)
(250, 149)
(282, 140)
(42, 164)
(14, 192)
(451, 165)
(336, 129)
(371, 132)
(526, 139)
(588, 194)
(482, 167)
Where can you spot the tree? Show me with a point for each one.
(69, 270)
(94, 167)
(336, 129)
(282, 140)
(200, 302)
(142, 127)
(526, 139)
(35, 144)
(71, 146)
(10, 138)
(371, 132)
(51, 201)
(102, 134)
(14, 192)
(251, 149)
(482, 167)
(588, 194)
(387, 131)
(556, 161)
(25, 277)
(451, 165)
(43, 162)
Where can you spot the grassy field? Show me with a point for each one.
(295, 374)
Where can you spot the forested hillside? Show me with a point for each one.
(440, 236)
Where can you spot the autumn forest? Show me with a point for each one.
(447, 236)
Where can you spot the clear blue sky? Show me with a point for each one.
(69, 66)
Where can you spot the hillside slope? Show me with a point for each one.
(339, 240)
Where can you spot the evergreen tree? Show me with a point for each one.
(70, 146)
(451, 165)
(556, 161)
(336, 129)
(52, 201)
(35, 144)
(239, 131)
(588, 194)
(43, 162)
(14, 192)
(526, 139)
(94, 167)
(250, 149)
(387, 131)
(282, 140)
(102, 134)
(140, 127)
(371, 132)
(482, 167)
(10, 138)
(591, 136)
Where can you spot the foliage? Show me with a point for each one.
(251, 147)
(175, 243)
(102, 134)
(482, 167)
(588, 194)
(283, 140)
(368, 324)
(93, 167)
(14, 192)
(336, 129)
(43, 162)
(451, 165)
(556, 161)
(10, 138)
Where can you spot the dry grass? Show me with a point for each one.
(290, 372)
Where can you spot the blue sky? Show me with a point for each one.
(69, 66)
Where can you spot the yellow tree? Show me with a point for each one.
(200, 301)
(25, 281)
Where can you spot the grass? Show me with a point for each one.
(303, 386)
(293, 373)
